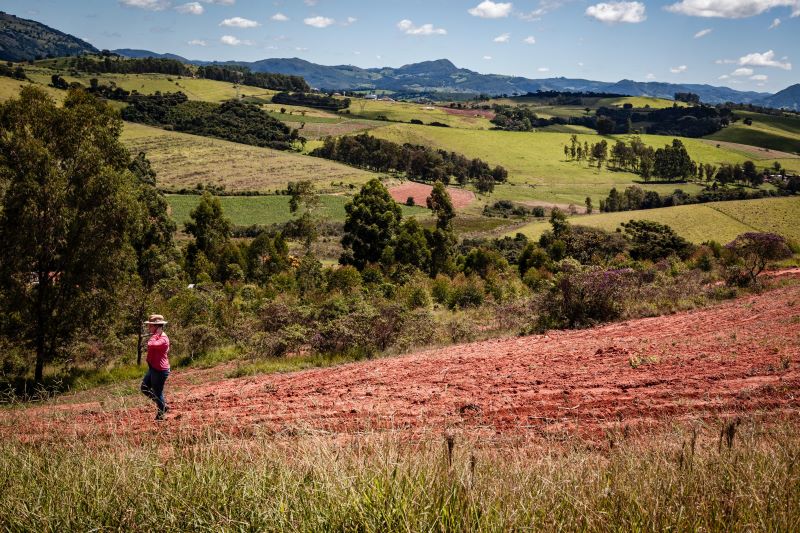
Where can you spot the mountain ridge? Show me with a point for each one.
(23, 39)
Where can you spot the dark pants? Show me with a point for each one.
(153, 387)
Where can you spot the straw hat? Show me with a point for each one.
(158, 320)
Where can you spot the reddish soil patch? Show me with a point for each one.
(485, 113)
(420, 192)
(741, 357)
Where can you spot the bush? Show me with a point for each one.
(749, 254)
(466, 292)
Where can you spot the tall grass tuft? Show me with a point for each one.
(388, 482)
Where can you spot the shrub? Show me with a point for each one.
(466, 292)
(750, 253)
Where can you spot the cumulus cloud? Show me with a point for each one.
(650, 76)
(529, 40)
(230, 40)
(545, 7)
(767, 59)
(279, 17)
(742, 71)
(349, 21)
(491, 10)
(488, 58)
(759, 77)
(612, 12)
(504, 38)
(725, 61)
(197, 42)
(239, 22)
(543, 69)
(318, 22)
(731, 9)
(678, 70)
(407, 27)
(702, 33)
(150, 5)
(775, 24)
(724, 77)
(190, 8)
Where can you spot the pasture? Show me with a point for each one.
(719, 221)
(183, 161)
(536, 160)
(766, 131)
(406, 111)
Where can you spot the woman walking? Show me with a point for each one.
(157, 364)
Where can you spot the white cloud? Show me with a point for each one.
(239, 22)
(725, 61)
(191, 8)
(702, 33)
(318, 22)
(220, 2)
(767, 59)
(279, 17)
(759, 77)
(678, 70)
(775, 24)
(743, 71)
(504, 38)
(491, 10)
(349, 21)
(150, 5)
(650, 76)
(529, 40)
(230, 40)
(301, 49)
(488, 58)
(730, 9)
(197, 42)
(724, 77)
(543, 69)
(545, 7)
(407, 27)
(632, 12)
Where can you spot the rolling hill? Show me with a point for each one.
(22, 39)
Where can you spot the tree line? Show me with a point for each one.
(231, 120)
(318, 101)
(416, 161)
(121, 65)
(634, 197)
(244, 76)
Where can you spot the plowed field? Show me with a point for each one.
(738, 358)
(420, 192)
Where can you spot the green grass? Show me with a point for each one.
(766, 131)
(9, 88)
(389, 482)
(183, 160)
(537, 160)
(249, 210)
(719, 221)
(406, 111)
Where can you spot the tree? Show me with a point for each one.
(67, 216)
(589, 207)
(752, 251)
(370, 226)
(654, 241)
(211, 230)
(442, 240)
(411, 246)
(304, 199)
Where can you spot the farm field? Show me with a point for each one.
(692, 366)
(265, 210)
(183, 160)
(537, 159)
(719, 221)
(9, 88)
(766, 131)
(404, 112)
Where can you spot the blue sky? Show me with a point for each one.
(743, 44)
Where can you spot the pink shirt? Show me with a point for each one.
(158, 351)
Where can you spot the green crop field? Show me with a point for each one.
(183, 161)
(720, 221)
(537, 159)
(639, 102)
(249, 210)
(766, 131)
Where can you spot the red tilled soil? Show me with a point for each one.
(460, 197)
(739, 358)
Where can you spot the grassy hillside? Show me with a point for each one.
(248, 210)
(405, 111)
(720, 221)
(766, 131)
(537, 160)
(9, 88)
(183, 161)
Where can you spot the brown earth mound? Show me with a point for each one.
(741, 357)
(419, 191)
